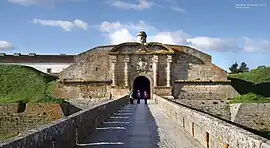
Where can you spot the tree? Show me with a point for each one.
(259, 67)
(234, 67)
(243, 67)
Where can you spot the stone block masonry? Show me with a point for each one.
(218, 108)
(66, 132)
(253, 115)
(207, 90)
(34, 115)
(210, 131)
(88, 78)
(92, 91)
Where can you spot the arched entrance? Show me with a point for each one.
(142, 83)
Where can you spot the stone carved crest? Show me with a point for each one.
(141, 65)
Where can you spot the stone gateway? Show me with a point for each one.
(166, 70)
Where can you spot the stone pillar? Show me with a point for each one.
(155, 68)
(114, 60)
(126, 70)
(169, 61)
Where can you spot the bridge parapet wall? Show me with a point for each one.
(208, 130)
(67, 132)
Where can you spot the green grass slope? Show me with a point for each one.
(250, 98)
(25, 84)
(255, 76)
(254, 86)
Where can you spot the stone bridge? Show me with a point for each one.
(116, 123)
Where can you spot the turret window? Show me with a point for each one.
(49, 70)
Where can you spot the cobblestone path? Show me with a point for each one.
(139, 126)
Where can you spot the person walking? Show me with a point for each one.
(145, 97)
(131, 96)
(138, 96)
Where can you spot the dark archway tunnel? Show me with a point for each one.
(142, 83)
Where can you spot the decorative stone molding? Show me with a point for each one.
(202, 81)
(126, 70)
(163, 87)
(169, 61)
(155, 68)
(114, 61)
(142, 65)
(83, 81)
(121, 87)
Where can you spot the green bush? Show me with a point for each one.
(25, 84)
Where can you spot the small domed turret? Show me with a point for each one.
(141, 37)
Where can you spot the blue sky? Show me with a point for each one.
(230, 31)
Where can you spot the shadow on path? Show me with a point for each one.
(132, 126)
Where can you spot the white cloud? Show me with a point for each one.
(217, 44)
(5, 45)
(178, 9)
(118, 33)
(29, 2)
(81, 24)
(142, 4)
(65, 25)
(110, 26)
(39, 2)
(174, 37)
(120, 36)
(253, 45)
(114, 26)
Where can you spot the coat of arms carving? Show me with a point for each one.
(142, 65)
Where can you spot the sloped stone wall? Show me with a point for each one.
(208, 130)
(34, 115)
(218, 108)
(204, 91)
(89, 66)
(253, 115)
(66, 132)
(189, 67)
(90, 91)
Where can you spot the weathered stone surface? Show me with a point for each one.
(219, 108)
(8, 107)
(217, 133)
(266, 144)
(252, 115)
(63, 132)
(88, 66)
(204, 91)
(163, 91)
(34, 115)
(89, 91)
(119, 65)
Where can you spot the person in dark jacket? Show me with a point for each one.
(145, 97)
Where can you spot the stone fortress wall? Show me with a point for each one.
(89, 77)
(172, 71)
(208, 130)
(13, 122)
(69, 131)
(252, 115)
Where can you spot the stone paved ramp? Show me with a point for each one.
(139, 126)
